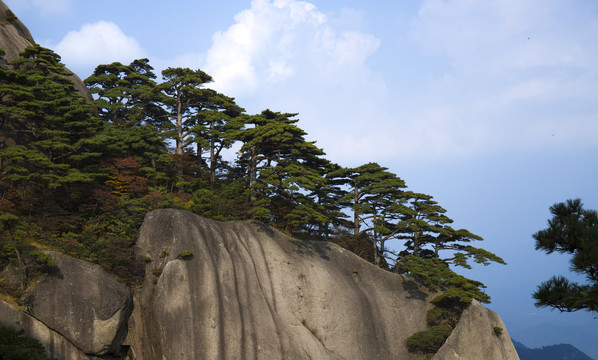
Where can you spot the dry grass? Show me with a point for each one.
(10, 300)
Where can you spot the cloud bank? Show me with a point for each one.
(276, 41)
(97, 43)
(490, 77)
(288, 56)
(461, 78)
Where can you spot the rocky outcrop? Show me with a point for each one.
(241, 290)
(15, 37)
(56, 345)
(480, 334)
(248, 291)
(93, 308)
(76, 310)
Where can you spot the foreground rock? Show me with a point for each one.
(83, 303)
(249, 292)
(480, 334)
(77, 310)
(56, 345)
(239, 290)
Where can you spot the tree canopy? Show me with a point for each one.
(571, 230)
(80, 176)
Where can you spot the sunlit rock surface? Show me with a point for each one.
(475, 337)
(250, 292)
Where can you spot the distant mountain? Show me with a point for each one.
(551, 352)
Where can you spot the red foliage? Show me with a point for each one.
(124, 178)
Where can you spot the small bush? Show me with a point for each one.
(164, 253)
(42, 258)
(185, 255)
(157, 271)
(14, 344)
(497, 331)
(147, 259)
(428, 341)
(10, 16)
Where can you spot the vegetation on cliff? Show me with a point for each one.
(78, 177)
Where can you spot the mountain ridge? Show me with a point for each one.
(550, 352)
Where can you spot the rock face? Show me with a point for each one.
(83, 303)
(239, 290)
(475, 337)
(249, 292)
(15, 37)
(56, 345)
(75, 311)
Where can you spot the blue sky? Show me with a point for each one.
(490, 106)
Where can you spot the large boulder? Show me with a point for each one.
(56, 345)
(480, 334)
(241, 290)
(83, 303)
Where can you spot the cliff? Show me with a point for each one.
(240, 290)
(235, 290)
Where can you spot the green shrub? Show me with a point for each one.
(16, 346)
(185, 255)
(497, 330)
(147, 259)
(164, 253)
(42, 258)
(10, 16)
(428, 341)
(157, 271)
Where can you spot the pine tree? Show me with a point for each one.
(56, 119)
(216, 125)
(282, 170)
(183, 96)
(374, 195)
(127, 103)
(571, 230)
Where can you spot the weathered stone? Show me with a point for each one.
(475, 337)
(56, 345)
(250, 292)
(83, 303)
(15, 38)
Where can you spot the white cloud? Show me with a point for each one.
(288, 56)
(98, 43)
(274, 41)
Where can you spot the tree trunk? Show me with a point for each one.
(19, 260)
(355, 213)
(253, 173)
(416, 243)
(212, 156)
(179, 125)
